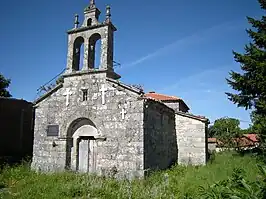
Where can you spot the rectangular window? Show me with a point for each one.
(85, 95)
(52, 130)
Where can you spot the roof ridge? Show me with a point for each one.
(162, 94)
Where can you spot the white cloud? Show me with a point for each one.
(192, 39)
(198, 79)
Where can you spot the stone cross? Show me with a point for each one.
(67, 94)
(103, 89)
(123, 112)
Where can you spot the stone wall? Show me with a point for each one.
(160, 147)
(123, 147)
(191, 139)
(106, 37)
(211, 146)
(16, 127)
(177, 106)
(46, 156)
(173, 105)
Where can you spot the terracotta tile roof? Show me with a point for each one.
(211, 140)
(244, 141)
(252, 137)
(161, 97)
(164, 98)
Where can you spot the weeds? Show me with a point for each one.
(236, 187)
(210, 181)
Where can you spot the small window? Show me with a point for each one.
(52, 130)
(89, 22)
(85, 95)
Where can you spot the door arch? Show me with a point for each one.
(81, 146)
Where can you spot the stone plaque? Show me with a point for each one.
(52, 130)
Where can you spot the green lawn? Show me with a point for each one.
(178, 182)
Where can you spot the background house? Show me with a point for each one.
(244, 142)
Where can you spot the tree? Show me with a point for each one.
(251, 83)
(4, 84)
(225, 129)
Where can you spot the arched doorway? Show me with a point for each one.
(81, 146)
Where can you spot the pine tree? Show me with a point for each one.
(4, 84)
(250, 84)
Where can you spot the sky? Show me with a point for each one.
(175, 47)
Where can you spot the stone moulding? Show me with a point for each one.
(125, 86)
(93, 71)
(84, 28)
(203, 119)
(47, 94)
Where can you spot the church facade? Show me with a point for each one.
(92, 122)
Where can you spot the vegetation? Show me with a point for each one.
(250, 84)
(177, 182)
(237, 187)
(4, 84)
(225, 128)
(59, 80)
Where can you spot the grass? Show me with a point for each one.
(177, 182)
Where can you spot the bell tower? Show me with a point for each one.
(86, 35)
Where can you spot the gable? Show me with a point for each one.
(47, 94)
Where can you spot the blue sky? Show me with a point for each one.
(176, 47)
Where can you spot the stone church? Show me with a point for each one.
(92, 122)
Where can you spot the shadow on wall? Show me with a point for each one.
(160, 145)
(16, 130)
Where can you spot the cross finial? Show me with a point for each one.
(108, 14)
(92, 3)
(76, 21)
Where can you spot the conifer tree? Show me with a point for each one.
(250, 84)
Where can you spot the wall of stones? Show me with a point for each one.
(16, 127)
(160, 146)
(177, 106)
(123, 148)
(173, 105)
(47, 157)
(106, 33)
(211, 146)
(191, 140)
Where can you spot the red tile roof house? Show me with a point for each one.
(191, 130)
(245, 142)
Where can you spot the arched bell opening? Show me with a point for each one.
(78, 54)
(95, 51)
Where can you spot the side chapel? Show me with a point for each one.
(92, 122)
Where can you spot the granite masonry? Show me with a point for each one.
(92, 122)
